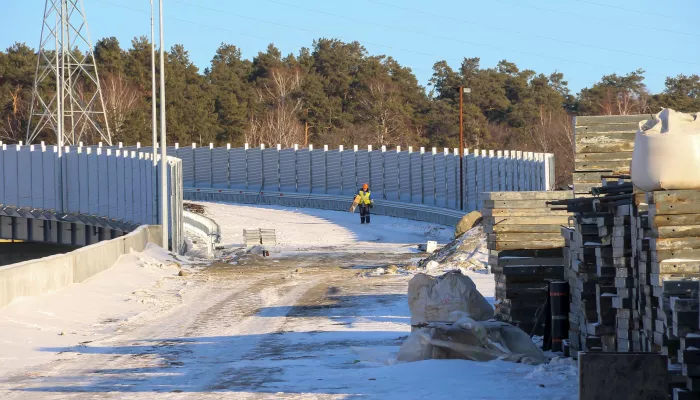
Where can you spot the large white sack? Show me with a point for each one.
(667, 152)
(435, 299)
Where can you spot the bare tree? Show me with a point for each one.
(121, 98)
(554, 133)
(13, 129)
(278, 124)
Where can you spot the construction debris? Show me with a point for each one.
(470, 340)
(467, 222)
(466, 253)
(195, 208)
(452, 320)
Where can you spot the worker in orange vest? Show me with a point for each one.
(365, 203)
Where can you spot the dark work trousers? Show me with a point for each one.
(364, 213)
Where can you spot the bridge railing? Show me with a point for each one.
(429, 177)
(118, 185)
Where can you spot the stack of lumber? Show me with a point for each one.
(596, 253)
(524, 252)
(641, 268)
(689, 358)
(671, 280)
(603, 145)
(620, 265)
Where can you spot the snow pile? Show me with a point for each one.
(137, 287)
(557, 370)
(466, 253)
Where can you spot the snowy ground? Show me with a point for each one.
(303, 324)
(308, 229)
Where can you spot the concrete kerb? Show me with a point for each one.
(48, 274)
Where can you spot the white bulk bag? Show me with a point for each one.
(667, 152)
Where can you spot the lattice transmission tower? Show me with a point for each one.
(67, 96)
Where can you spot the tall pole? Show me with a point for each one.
(461, 149)
(306, 129)
(154, 122)
(163, 143)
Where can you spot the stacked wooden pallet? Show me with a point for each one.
(689, 359)
(596, 251)
(620, 266)
(671, 257)
(525, 251)
(603, 145)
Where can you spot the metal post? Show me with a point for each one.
(163, 143)
(154, 121)
(461, 149)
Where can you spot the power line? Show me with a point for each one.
(269, 40)
(489, 46)
(530, 34)
(519, 4)
(646, 12)
(434, 56)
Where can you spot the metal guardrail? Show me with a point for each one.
(416, 212)
(205, 228)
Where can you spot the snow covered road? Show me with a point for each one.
(306, 323)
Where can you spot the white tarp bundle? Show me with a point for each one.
(470, 340)
(667, 152)
(434, 299)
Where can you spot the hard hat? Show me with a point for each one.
(365, 186)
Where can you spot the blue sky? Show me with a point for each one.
(584, 39)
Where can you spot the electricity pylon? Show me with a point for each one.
(67, 97)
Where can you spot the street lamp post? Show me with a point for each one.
(462, 90)
(154, 117)
(163, 143)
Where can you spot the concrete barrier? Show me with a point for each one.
(44, 275)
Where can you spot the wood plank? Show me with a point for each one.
(551, 244)
(592, 166)
(585, 188)
(554, 220)
(676, 267)
(681, 254)
(588, 177)
(523, 237)
(674, 208)
(614, 147)
(689, 243)
(515, 204)
(676, 231)
(674, 220)
(523, 212)
(605, 138)
(592, 157)
(674, 196)
(501, 228)
(529, 261)
(610, 119)
(553, 195)
(631, 127)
